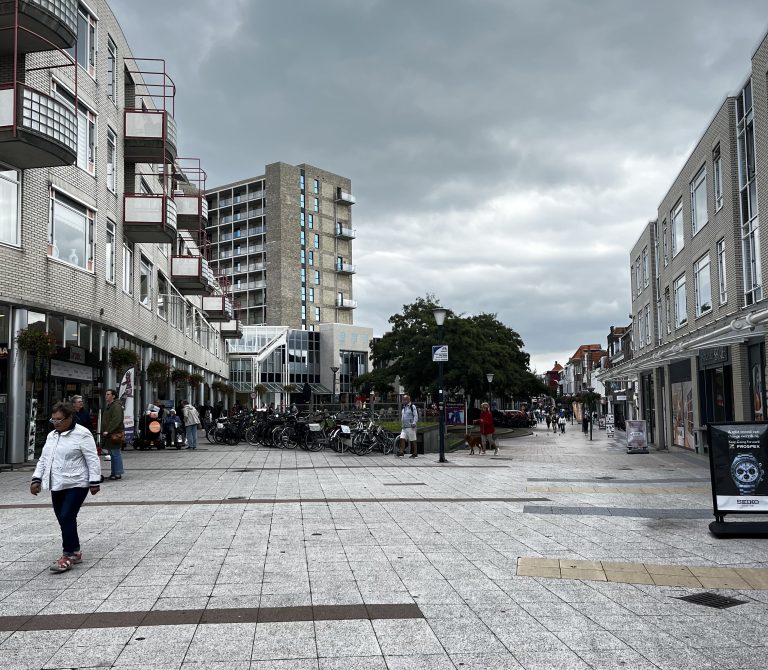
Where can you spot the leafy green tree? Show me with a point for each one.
(477, 345)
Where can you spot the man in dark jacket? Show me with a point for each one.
(112, 423)
(82, 416)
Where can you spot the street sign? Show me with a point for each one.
(439, 353)
(254, 395)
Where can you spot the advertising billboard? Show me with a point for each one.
(637, 437)
(738, 459)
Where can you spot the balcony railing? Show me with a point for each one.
(45, 133)
(44, 24)
(149, 217)
(150, 136)
(191, 211)
(218, 308)
(192, 275)
(344, 233)
(345, 303)
(345, 198)
(345, 268)
(232, 330)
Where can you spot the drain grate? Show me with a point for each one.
(713, 600)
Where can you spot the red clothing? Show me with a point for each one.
(486, 423)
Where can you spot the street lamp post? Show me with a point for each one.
(334, 369)
(440, 314)
(591, 390)
(489, 377)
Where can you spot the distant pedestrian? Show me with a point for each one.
(487, 429)
(191, 423)
(68, 467)
(548, 419)
(554, 422)
(409, 417)
(585, 423)
(113, 433)
(561, 423)
(82, 415)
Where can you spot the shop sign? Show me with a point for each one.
(609, 425)
(620, 398)
(738, 460)
(69, 370)
(715, 357)
(77, 354)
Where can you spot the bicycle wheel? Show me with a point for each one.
(252, 435)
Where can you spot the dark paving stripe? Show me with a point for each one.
(206, 616)
(280, 501)
(611, 480)
(404, 484)
(648, 513)
(255, 468)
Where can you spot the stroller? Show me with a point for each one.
(150, 430)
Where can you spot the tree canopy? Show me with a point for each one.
(477, 345)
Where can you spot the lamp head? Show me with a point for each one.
(440, 313)
(489, 377)
(334, 369)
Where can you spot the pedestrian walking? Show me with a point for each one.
(554, 423)
(68, 467)
(561, 423)
(82, 416)
(191, 422)
(409, 417)
(113, 433)
(487, 429)
(548, 419)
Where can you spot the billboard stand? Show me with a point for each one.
(738, 459)
(637, 440)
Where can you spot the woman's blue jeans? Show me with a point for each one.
(116, 460)
(66, 505)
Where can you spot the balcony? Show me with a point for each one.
(150, 136)
(345, 198)
(46, 129)
(192, 275)
(149, 217)
(345, 303)
(218, 308)
(44, 25)
(232, 330)
(344, 233)
(191, 211)
(345, 268)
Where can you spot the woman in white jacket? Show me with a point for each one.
(69, 467)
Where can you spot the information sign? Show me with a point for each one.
(439, 353)
(609, 425)
(637, 441)
(738, 458)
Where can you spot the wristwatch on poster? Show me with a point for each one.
(747, 472)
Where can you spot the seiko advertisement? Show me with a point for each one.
(738, 457)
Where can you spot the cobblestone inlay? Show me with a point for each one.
(278, 501)
(601, 488)
(210, 616)
(647, 513)
(690, 576)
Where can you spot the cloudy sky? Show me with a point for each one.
(505, 154)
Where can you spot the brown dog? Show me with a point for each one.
(473, 441)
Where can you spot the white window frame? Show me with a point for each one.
(722, 279)
(145, 270)
(701, 284)
(646, 276)
(109, 252)
(668, 310)
(87, 128)
(680, 305)
(640, 329)
(112, 70)
(56, 250)
(665, 243)
(677, 228)
(127, 270)
(12, 213)
(717, 178)
(648, 328)
(699, 192)
(86, 51)
(111, 160)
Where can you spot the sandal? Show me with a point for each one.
(114, 477)
(62, 564)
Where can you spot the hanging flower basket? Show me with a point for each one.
(196, 378)
(219, 386)
(230, 388)
(179, 376)
(290, 388)
(158, 372)
(259, 390)
(36, 342)
(121, 358)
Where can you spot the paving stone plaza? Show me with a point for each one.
(557, 553)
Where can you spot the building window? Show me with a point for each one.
(303, 256)
(667, 310)
(750, 234)
(145, 283)
(109, 249)
(665, 242)
(702, 286)
(317, 278)
(311, 258)
(676, 217)
(311, 294)
(127, 269)
(301, 182)
(722, 281)
(316, 185)
(638, 275)
(302, 239)
(718, 177)
(681, 311)
(317, 314)
(303, 312)
(86, 127)
(646, 277)
(10, 183)
(699, 216)
(658, 323)
(162, 297)
(641, 329)
(317, 204)
(72, 232)
(301, 219)
(301, 201)
(303, 276)
(86, 41)
(311, 220)
(317, 241)
(648, 328)
(111, 153)
(111, 70)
